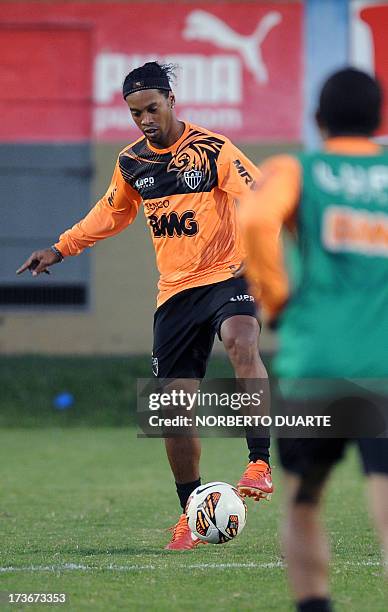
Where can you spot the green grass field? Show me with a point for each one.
(84, 511)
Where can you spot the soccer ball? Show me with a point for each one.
(216, 512)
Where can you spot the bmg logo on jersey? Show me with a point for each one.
(173, 224)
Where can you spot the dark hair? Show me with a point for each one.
(350, 103)
(150, 76)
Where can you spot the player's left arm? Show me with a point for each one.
(263, 215)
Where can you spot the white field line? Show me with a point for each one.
(74, 567)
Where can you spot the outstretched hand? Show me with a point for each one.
(38, 262)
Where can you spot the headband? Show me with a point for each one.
(154, 82)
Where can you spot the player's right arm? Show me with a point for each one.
(114, 212)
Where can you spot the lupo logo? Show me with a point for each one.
(242, 298)
(173, 224)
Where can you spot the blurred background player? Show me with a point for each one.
(188, 180)
(334, 323)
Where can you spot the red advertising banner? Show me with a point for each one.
(370, 45)
(239, 65)
(46, 83)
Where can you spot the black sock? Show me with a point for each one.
(259, 449)
(184, 491)
(314, 604)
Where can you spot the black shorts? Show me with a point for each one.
(303, 455)
(185, 326)
(359, 417)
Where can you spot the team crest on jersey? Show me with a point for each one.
(155, 366)
(192, 161)
(193, 178)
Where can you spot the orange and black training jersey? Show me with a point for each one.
(189, 194)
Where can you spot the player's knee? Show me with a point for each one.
(241, 349)
(307, 493)
(240, 336)
(310, 488)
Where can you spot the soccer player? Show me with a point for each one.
(188, 180)
(333, 323)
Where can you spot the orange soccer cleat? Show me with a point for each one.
(182, 537)
(256, 481)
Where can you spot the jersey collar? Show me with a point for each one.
(173, 146)
(353, 145)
